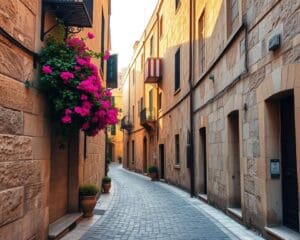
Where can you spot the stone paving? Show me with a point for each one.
(141, 209)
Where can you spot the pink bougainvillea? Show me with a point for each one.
(46, 69)
(79, 101)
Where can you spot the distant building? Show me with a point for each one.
(115, 134)
(212, 98)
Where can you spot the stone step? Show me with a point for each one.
(63, 225)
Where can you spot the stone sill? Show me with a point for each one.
(177, 91)
(283, 233)
(236, 212)
(203, 197)
(177, 167)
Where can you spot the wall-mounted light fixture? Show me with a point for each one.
(274, 42)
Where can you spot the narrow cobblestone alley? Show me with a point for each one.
(141, 209)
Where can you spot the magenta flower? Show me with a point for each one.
(83, 112)
(85, 126)
(112, 116)
(106, 55)
(47, 69)
(81, 61)
(66, 76)
(68, 112)
(77, 68)
(90, 35)
(83, 97)
(106, 104)
(66, 120)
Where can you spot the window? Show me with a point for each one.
(113, 103)
(177, 4)
(151, 46)
(132, 152)
(177, 150)
(151, 100)
(102, 39)
(232, 16)
(177, 70)
(161, 26)
(140, 104)
(159, 100)
(201, 35)
(113, 129)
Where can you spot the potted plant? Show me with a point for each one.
(152, 171)
(106, 184)
(88, 201)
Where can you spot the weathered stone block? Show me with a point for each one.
(11, 207)
(33, 125)
(31, 4)
(14, 95)
(35, 197)
(8, 14)
(11, 63)
(24, 30)
(11, 122)
(14, 174)
(14, 148)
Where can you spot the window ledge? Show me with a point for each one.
(236, 212)
(203, 197)
(177, 167)
(283, 233)
(177, 91)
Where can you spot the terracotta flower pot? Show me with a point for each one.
(153, 176)
(88, 204)
(106, 187)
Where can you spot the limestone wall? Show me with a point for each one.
(25, 145)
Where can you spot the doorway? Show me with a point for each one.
(145, 155)
(234, 173)
(127, 154)
(203, 161)
(162, 160)
(289, 167)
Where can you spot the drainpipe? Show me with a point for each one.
(191, 149)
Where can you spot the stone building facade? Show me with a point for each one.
(39, 173)
(115, 134)
(226, 106)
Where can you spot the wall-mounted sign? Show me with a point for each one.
(275, 168)
(112, 72)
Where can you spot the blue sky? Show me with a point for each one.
(128, 20)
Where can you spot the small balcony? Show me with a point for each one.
(126, 124)
(153, 70)
(73, 13)
(148, 118)
(77, 13)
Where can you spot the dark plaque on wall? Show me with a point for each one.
(275, 168)
(112, 72)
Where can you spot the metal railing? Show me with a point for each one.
(125, 123)
(147, 115)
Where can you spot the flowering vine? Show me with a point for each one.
(72, 86)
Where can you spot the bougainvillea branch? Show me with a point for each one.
(72, 86)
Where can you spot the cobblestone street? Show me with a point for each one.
(141, 209)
